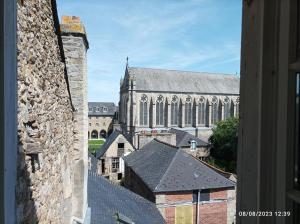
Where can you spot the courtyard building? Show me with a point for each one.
(110, 163)
(159, 99)
(184, 189)
(102, 116)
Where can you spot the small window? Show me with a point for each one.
(121, 145)
(120, 176)
(97, 124)
(115, 164)
(98, 109)
(90, 124)
(105, 109)
(90, 109)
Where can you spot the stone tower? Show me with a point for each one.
(75, 46)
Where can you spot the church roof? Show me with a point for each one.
(165, 168)
(162, 80)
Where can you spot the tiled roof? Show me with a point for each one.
(165, 168)
(183, 139)
(102, 108)
(109, 201)
(163, 80)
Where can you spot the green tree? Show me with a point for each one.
(224, 145)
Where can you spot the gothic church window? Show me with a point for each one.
(174, 111)
(201, 111)
(160, 110)
(226, 108)
(144, 110)
(188, 111)
(214, 111)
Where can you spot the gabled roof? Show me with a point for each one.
(108, 143)
(111, 108)
(107, 201)
(183, 139)
(165, 168)
(162, 80)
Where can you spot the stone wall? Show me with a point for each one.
(75, 46)
(45, 119)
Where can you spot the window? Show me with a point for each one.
(160, 110)
(115, 164)
(97, 124)
(188, 111)
(119, 176)
(226, 108)
(120, 149)
(90, 109)
(90, 124)
(95, 109)
(201, 111)
(144, 110)
(98, 109)
(105, 109)
(174, 111)
(214, 111)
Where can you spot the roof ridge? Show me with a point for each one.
(175, 70)
(169, 167)
(165, 143)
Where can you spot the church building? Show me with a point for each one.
(155, 100)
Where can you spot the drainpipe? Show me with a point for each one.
(198, 209)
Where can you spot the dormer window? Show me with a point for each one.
(90, 109)
(98, 109)
(105, 109)
(95, 109)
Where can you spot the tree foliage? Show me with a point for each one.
(224, 144)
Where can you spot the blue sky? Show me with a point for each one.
(192, 35)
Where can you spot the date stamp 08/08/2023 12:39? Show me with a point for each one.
(264, 213)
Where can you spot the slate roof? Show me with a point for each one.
(165, 168)
(162, 80)
(111, 108)
(183, 139)
(106, 199)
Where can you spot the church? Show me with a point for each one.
(155, 100)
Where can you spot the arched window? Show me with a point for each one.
(188, 111)
(160, 110)
(94, 134)
(214, 111)
(144, 110)
(237, 107)
(201, 111)
(227, 108)
(174, 110)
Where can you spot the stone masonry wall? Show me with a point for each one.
(45, 120)
(75, 46)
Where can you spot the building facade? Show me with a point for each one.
(110, 163)
(102, 116)
(184, 189)
(160, 99)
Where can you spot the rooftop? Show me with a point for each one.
(162, 80)
(183, 139)
(166, 168)
(109, 202)
(102, 108)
